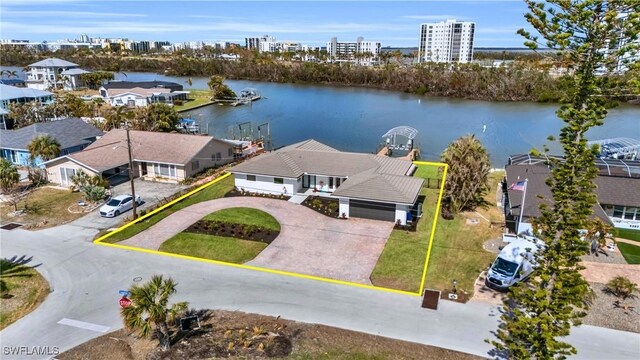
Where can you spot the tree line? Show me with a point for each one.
(530, 80)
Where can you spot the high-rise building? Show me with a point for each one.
(359, 52)
(254, 43)
(446, 41)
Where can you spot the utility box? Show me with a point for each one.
(430, 299)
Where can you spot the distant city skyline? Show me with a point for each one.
(395, 24)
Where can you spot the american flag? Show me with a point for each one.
(519, 186)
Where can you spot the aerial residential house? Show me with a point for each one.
(448, 41)
(366, 185)
(73, 134)
(358, 52)
(135, 94)
(168, 157)
(55, 73)
(617, 191)
(16, 95)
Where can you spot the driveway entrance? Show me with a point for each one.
(309, 243)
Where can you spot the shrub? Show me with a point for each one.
(621, 287)
(333, 206)
(316, 203)
(94, 193)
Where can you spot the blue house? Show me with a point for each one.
(73, 134)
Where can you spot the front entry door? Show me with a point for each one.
(308, 181)
(144, 168)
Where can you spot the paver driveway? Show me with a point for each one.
(309, 243)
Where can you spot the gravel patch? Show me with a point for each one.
(603, 312)
(494, 245)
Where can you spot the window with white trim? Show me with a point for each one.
(251, 178)
(164, 170)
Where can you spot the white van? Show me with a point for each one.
(514, 263)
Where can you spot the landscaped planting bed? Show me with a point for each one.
(241, 192)
(238, 231)
(323, 205)
(234, 235)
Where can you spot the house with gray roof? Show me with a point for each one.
(73, 134)
(166, 157)
(55, 73)
(617, 191)
(12, 94)
(366, 185)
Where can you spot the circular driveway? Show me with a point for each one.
(309, 243)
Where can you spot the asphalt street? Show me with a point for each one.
(85, 279)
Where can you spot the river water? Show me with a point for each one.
(354, 119)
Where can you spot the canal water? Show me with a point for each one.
(354, 119)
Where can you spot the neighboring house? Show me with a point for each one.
(55, 73)
(137, 96)
(73, 134)
(167, 157)
(366, 185)
(617, 191)
(13, 82)
(17, 95)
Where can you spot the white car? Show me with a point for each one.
(117, 205)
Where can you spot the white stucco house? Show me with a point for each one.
(137, 97)
(55, 73)
(366, 185)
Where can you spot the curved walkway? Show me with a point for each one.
(309, 243)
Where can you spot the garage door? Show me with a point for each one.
(372, 210)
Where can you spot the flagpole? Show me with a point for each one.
(524, 195)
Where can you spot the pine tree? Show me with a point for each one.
(588, 35)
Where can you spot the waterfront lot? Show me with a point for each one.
(456, 252)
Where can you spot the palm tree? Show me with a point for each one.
(150, 307)
(45, 147)
(9, 175)
(116, 117)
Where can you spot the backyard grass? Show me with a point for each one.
(456, 252)
(213, 247)
(214, 191)
(245, 216)
(630, 252)
(196, 98)
(627, 234)
(42, 208)
(23, 289)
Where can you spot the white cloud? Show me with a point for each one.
(124, 28)
(59, 14)
(434, 17)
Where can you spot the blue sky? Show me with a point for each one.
(311, 22)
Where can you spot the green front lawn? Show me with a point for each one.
(627, 234)
(197, 98)
(246, 216)
(630, 252)
(456, 252)
(214, 191)
(213, 247)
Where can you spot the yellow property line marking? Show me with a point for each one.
(267, 270)
(436, 215)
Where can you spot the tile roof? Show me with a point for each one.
(69, 133)
(609, 190)
(142, 84)
(53, 62)
(111, 150)
(138, 91)
(8, 92)
(369, 176)
(75, 72)
(621, 191)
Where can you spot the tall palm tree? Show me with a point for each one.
(150, 308)
(44, 147)
(116, 117)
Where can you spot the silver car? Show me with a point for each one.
(117, 205)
